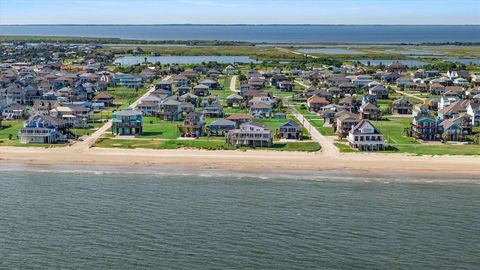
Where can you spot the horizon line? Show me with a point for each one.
(224, 24)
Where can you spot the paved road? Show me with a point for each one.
(233, 84)
(328, 148)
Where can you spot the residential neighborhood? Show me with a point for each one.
(391, 108)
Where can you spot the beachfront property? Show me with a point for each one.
(290, 131)
(365, 137)
(456, 129)
(127, 123)
(169, 110)
(192, 126)
(424, 126)
(43, 129)
(250, 134)
(220, 127)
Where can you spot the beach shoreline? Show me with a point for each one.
(251, 162)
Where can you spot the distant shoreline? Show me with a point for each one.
(259, 33)
(121, 41)
(234, 24)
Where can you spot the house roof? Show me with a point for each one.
(147, 104)
(222, 122)
(317, 99)
(402, 101)
(457, 106)
(290, 124)
(128, 112)
(103, 95)
(201, 86)
(369, 106)
(48, 119)
(344, 115)
(261, 105)
(357, 128)
(235, 97)
(239, 117)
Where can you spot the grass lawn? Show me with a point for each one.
(10, 127)
(200, 144)
(446, 149)
(394, 130)
(154, 128)
(125, 96)
(344, 148)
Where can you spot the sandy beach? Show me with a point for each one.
(251, 161)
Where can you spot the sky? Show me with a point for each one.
(239, 11)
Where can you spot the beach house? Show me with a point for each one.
(192, 125)
(365, 137)
(344, 121)
(220, 127)
(424, 126)
(473, 110)
(290, 131)
(379, 91)
(127, 123)
(370, 111)
(250, 134)
(456, 129)
(170, 110)
(315, 103)
(402, 106)
(43, 129)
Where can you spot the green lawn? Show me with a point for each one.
(200, 144)
(394, 130)
(10, 128)
(125, 96)
(344, 148)
(445, 149)
(154, 128)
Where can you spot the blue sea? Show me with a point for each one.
(261, 33)
(95, 218)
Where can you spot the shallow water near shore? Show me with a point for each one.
(122, 218)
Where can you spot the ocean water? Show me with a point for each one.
(260, 33)
(53, 219)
